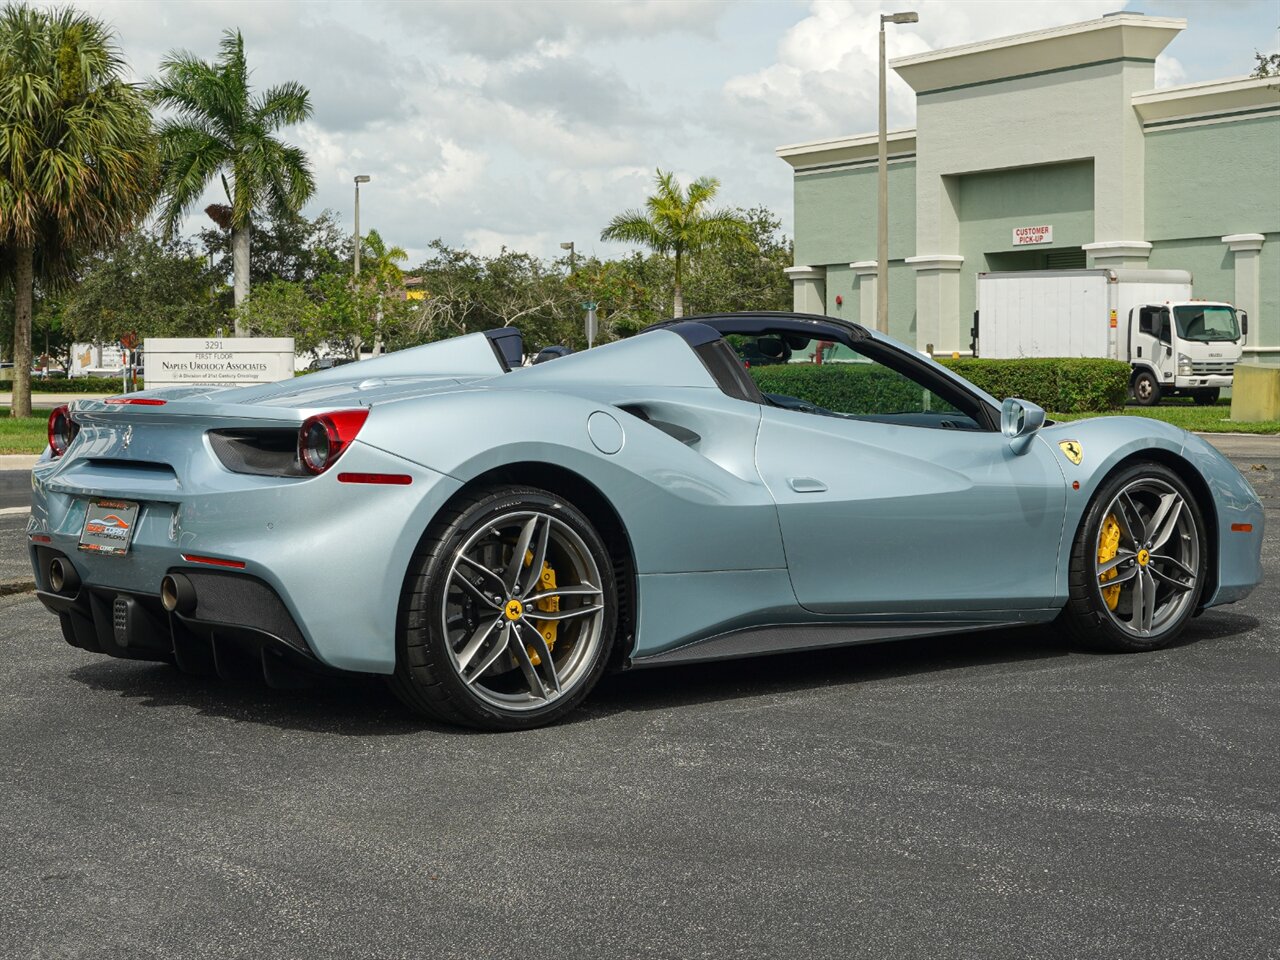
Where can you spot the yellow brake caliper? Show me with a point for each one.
(547, 605)
(1108, 547)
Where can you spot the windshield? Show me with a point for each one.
(1205, 322)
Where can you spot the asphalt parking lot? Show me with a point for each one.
(981, 796)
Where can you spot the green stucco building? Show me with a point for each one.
(1060, 129)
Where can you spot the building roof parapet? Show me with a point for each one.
(1123, 36)
(842, 150)
(1246, 96)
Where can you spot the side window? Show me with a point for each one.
(831, 379)
(1144, 320)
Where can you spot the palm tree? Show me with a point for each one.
(380, 265)
(76, 156)
(678, 224)
(221, 129)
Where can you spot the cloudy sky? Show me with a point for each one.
(530, 123)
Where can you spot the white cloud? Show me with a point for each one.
(499, 30)
(1169, 71)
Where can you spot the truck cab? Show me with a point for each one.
(1184, 347)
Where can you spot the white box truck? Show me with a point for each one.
(1175, 345)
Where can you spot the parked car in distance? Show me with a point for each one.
(328, 363)
(551, 353)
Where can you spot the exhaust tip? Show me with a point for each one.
(62, 576)
(177, 595)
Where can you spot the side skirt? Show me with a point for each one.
(796, 637)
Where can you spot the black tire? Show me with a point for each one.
(428, 677)
(1207, 397)
(1087, 616)
(1146, 388)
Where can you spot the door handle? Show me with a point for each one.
(806, 485)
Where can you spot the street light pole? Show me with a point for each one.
(882, 224)
(362, 178)
(568, 245)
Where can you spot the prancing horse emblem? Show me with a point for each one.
(1072, 450)
(128, 437)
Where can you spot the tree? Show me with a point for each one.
(679, 224)
(734, 276)
(147, 286)
(76, 156)
(1268, 64)
(287, 246)
(220, 128)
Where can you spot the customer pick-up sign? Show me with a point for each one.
(1026, 235)
(227, 362)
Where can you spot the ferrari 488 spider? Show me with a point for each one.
(493, 537)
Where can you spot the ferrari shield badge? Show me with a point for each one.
(1071, 449)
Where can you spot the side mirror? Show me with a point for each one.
(1019, 420)
(1244, 324)
(1157, 324)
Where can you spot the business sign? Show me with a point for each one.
(233, 362)
(96, 358)
(1022, 236)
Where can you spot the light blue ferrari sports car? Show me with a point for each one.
(492, 537)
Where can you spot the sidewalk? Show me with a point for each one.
(47, 401)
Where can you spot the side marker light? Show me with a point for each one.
(395, 479)
(1242, 528)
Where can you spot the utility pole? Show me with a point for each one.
(362, 178)
(882, 224)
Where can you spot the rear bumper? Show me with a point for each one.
(323, 561)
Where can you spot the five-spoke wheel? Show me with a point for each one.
(509, 612)
(1138, 563)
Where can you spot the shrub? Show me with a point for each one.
(112, 385)
(1060, 384)
(864, 387)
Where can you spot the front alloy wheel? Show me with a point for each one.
(510, 614)
(1138, 565)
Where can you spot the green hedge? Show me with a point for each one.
(110, 385)
(843, 387)
(1061, 384)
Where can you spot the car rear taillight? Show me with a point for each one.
(62, 430)
(138, 401)
(324, 437)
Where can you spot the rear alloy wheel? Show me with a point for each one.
(1138, 563)
(509, 612)
(1146, 389)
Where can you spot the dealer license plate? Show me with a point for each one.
(108, 526)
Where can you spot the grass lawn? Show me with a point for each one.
(28, 435)
(1182, 412)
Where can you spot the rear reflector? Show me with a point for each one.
(40, 538)
(213, 561)
(137, 401)
(397, 479)
(1242, 528)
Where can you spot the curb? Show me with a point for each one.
(8, 587)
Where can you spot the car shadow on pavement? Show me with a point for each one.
(1023, 648)
(362, 706)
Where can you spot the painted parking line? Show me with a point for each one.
(13, 511)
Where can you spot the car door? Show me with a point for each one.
(907, 500)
